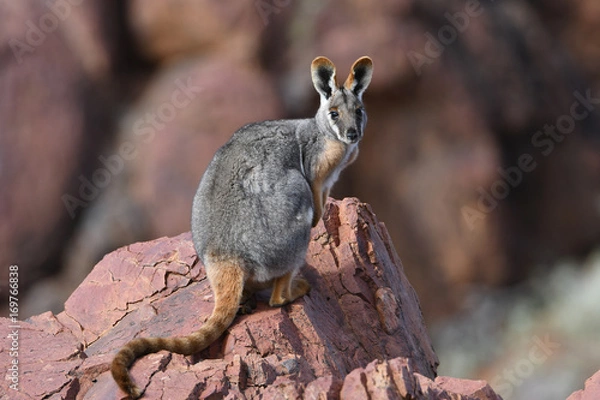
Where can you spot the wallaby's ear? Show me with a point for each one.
(360, 76)
(323, 76)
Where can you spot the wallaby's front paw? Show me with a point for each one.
(300, 287)
(285, 291)
(278, 301)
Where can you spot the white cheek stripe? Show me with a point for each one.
(335, 128)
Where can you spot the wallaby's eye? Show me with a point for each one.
(359, 112)
(334, 115)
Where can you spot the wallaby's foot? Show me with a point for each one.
(281, 290)
(247, 306)
(285, 292)
(278, 301)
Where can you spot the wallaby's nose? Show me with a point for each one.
(352, 135)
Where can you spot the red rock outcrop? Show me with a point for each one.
(358, 334)
(591, 390)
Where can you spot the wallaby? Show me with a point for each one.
(256, 204)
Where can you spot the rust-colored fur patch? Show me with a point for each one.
(332, 156)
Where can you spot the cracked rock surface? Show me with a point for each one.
(358, 334)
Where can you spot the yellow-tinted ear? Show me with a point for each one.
(322, 71)
(360, 76)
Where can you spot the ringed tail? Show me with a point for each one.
(227, 281)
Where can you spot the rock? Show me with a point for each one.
(591, 390)
(396, 379)
(362, 308)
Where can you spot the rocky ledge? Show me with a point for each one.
(359, 334)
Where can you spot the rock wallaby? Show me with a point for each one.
(256, 204)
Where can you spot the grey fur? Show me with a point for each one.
(254, 202)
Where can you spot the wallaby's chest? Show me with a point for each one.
(332, 161)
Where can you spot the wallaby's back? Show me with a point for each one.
(254, 200)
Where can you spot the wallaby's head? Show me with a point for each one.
(341, 111)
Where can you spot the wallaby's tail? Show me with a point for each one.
(227, 281)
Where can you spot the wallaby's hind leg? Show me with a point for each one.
(287, 289)
(281, 290)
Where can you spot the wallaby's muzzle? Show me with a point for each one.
(352, 135)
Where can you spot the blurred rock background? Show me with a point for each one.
(482, 152)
